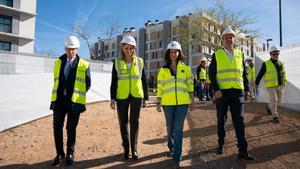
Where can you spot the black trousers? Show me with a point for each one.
(59, 114)
(235, 100)
(122, 109)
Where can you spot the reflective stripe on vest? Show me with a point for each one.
(175, 91)
(79, 92)
(271, 77)
(230, 73)
(129, 80)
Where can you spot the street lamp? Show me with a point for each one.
(280, 24)
(268, 43)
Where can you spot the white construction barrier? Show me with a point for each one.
(290, 57)
(26, 86)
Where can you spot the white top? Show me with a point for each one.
(229, 54)
(128, 65)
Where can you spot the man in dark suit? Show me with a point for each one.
(71, 82)
(229, 80)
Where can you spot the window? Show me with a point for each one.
(6, 3)
(160, 44)
(5, 46)
(157, 35)
(5, 23)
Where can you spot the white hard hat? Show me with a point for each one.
(203, 59)
(72, 42)
(129, 40)
(273, 49)
(174, 45)
(228, 31)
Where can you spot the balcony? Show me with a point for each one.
(14, 11)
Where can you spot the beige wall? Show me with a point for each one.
(28, 6)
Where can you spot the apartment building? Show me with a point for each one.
(17, 25)
(110, 48)
(154, 37)
(158, 35)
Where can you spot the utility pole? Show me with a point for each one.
(280, 24)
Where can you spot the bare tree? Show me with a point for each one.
(45, 52)
(112, 30)
(81, 32)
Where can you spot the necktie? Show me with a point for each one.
(67, 69)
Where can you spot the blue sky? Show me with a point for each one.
(55, 18)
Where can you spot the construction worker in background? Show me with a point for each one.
(251, 77)
(201, 77)
(196, 87)
(128, 88)
(71, 82)
(275, 79)
(175, 95)
(207, 86)
(229, 80)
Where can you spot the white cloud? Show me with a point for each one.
(84, 14)
(54, 26)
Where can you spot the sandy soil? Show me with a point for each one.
(99, 143)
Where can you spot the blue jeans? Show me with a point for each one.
(175, 116)
(201, 89)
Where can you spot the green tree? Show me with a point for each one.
(204, 27)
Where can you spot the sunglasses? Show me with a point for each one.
(275, 54)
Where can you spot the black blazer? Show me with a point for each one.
(68, 85)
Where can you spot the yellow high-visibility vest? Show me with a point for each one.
(251, 73)
(79, 92)
(230, 73)
(202, 74)
(129, 80)
(207, 75)
(175, 91)
(271, 78)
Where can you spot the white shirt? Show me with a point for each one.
(128, 65)
(229, 53)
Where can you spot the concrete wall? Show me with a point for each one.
(291, 59)
(28, 6)
(26, 85)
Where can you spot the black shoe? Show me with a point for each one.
(57, 160)
(246, 156)
(126, 155)
(135, 155)
(69, 159)
(175, 165)
(170, 154)
(220, 149)
(268, 110)
(275, 120)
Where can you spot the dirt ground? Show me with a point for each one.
(99, 143)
